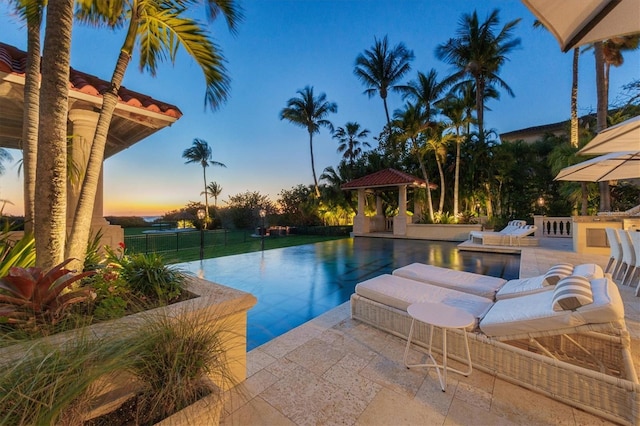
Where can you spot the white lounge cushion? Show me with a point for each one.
(571, 293)
(400, 292)
(524, 286)
(468, 282)
(534, 313)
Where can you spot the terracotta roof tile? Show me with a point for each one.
(385, 178)
(13, 60)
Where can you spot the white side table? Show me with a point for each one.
(445, 317)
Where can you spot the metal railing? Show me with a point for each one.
(175, 241)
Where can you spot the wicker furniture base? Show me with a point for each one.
(571, 380)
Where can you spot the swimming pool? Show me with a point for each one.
(296, 284)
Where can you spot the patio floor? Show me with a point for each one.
(335, 370)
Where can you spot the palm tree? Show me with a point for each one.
(455, 108)
(350, 143)
(480, 53)
(309, 111)
(426, 91)
(31, 13)
(380, 68)
(158, 28)
(213, 190)
(200, 152)
(437, 141)
(50, 212)
(411, 124)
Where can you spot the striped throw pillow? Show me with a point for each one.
(571, 293)
(556, 273)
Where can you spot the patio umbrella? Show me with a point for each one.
(578, 22)
(621, 137)
(613, 166)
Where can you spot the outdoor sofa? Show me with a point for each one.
(580, 357)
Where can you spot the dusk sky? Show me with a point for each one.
(281, 47)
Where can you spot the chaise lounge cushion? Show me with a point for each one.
(534, 313)
(399, 292)
(524, 286)
(478, 284)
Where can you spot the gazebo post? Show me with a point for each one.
(361, 223)
(401, 220)
(379, 224)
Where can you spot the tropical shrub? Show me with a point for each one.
(30, 296)
(21, 253)
(174, 358)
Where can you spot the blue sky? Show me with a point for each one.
(281, 47)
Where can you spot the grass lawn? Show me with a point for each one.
(220, 244)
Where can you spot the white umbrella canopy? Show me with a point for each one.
(613, 166)
(624, 136)
(577, 22)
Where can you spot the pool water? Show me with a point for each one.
(296, 284)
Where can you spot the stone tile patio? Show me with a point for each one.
(335, 370)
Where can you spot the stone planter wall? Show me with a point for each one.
(224, 306)
(441, 232)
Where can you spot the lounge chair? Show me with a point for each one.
(476, 236)
(580, 357)
(615, 254)
(492, 287)
(515, 237)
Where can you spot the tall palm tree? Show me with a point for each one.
(350, 141)
(381, 68)
(213, 190)
(31, 12)
(200, 152)
(158, 28)
(50, 212)
(411, 124)
(437, 141)
(426, 90)
(479, 52)
(455, 108)
(310, 112)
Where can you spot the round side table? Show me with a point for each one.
(445, 317)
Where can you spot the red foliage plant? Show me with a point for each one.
(29, 296)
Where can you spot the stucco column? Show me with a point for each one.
(401, 220)
(361, 222)
(379, 222)
(83, 129)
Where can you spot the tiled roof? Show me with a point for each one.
(385, 178)
(14, 61)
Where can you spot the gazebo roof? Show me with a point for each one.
(386, 178)
(136, 116)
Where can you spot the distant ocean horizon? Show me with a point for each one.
(151, 218)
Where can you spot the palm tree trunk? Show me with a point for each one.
(426, 179)
(456, 183)
(81, 226)
(386, 113)
(51, 169)
(442, 185)
(30, 121)
(313, 166)
(480, 107)
(601, 120)
(574, 99)
(206, 198)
